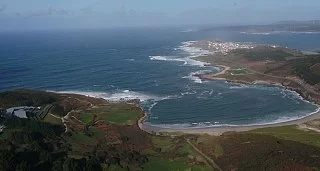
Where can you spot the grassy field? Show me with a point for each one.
(218, 150)
(121, 114)
(51, 119)
(292, 133)
(240, 71)
(283, 148)
(173, 154)
(264, 53)
(161, 164)
(114, 168)
(118, 129)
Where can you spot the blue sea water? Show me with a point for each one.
(150, 64)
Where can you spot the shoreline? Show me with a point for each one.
(219, 130)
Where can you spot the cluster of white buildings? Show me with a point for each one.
(226, 47)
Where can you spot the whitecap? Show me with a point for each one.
(192, 76)
(167, 58)
(240, 86)
(188, 93)
(130, 59)
(188, 31)
(256, 33)
(211, 92)
(158, 58)
(281, 119)
(118, 95)
(193, 51)
(151, 106)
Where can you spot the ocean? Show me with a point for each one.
(153, 65)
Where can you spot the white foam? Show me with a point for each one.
(283, 119)
(167, 58)
(188, 30)
(151, 106)
(305, 32)
(256, 33)
(190, 125)
(192, 76)
(158, 58)
(193, 51)
(130, 59)
(215, 124)
(118, 95)
(211, 92)
(188, 93)
(239, 86)
(192, 62)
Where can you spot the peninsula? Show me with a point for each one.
(249, 63)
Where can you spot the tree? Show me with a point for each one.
(57, 165)
(7, 161)
(23, 166)
(93, 164)
(71, 164)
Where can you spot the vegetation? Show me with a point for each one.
(264, 53)
(173, 154)
(308, 69)
(292, 133)
(26, 98)
(31, 145)
(104, 136)
(121, 114)
(255, 151)
(51, 119)
(240, 71)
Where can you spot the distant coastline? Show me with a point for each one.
(279, 32)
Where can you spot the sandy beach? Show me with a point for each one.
(222, 129)
(218, 130)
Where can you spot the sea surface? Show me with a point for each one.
(153, 65)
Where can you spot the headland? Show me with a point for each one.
(248, 63)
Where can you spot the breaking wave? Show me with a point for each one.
(167, 58)
(216, 124)
(119, 95)
(191, 52)
(193, 75)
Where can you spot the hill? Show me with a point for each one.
(92, 134)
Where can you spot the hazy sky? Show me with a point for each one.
(52, 14)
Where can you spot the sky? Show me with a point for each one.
(67, 14)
